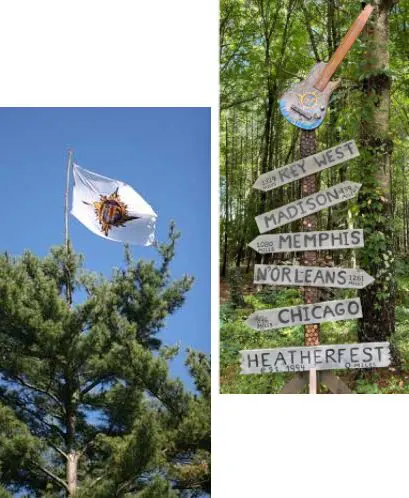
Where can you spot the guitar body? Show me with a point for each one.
(305, 106)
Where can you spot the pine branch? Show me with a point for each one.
(50, 474)
(38, 417)
(58, 450)
(93, 384)
(37, 389)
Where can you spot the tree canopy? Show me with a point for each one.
(87, 404)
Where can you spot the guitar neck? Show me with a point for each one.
(339, 55)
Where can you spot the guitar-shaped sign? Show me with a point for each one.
(305, 104)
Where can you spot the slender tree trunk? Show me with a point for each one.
(226, 214)
(378, 299)
(72, 472)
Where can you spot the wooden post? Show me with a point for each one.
(308, 147)
(68, 287)
(67, 187)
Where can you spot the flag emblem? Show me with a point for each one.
(111, 212)
(112, 209)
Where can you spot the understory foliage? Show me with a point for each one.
(87, 405)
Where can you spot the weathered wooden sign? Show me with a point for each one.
(304, 167)
(307, 205)
(308, 241)
(327, 357)
(311, 276)
(326, 311)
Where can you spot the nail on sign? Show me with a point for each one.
(326, 311)
(328, 357)
(307, 166)
(307, 205)
(343, 278)
(308, 241)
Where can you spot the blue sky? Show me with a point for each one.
(164, 153)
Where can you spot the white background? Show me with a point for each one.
(165, 53)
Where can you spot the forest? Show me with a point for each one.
(266, 46)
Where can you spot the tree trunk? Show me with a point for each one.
(226, 214)
(72, 472)
(309, 185)
(378, 299)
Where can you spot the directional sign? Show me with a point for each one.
(343, 278)
(307, 205)
(327, 311)
(307, 166)
(328, 357)
(308, 241)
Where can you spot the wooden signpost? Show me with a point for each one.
(328, 357)
(326, 311)
(307, 166)
(308, 241)
(304, 105)
(312, 276)
(307, 206)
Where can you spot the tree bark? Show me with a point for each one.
(378, 299)
(308, 147)
(226, 214)
(72, 472)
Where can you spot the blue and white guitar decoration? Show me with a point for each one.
(305, 104)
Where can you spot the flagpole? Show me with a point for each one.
(67, 187)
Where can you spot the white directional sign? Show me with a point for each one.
(308, 241)
(344, 278)
(328, 357)
(326, 311)
(307, 205)
(307, 166)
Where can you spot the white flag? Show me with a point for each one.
(112, 209)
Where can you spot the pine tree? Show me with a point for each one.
(87, 404)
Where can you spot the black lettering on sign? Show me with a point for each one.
(315, 313)
(334, 194)
(284, 174)
(264, 361)
(286, 274)
(355, 237)
(292, 353)
(368, 352)
(267, 220)
(300, 204)
(321, 161)
(338, 152)
(317, 356)
(311, 204)
(342, 277)
(280, 357)
(353, 307)
(310, 238)
(250, 361)
(283, 240)
(379, 349)
(349, 146)
(321, 199)
(323, 237)
(329, 353)
(354, 352)
(341, 352)
(281, 316)
(330, 156)
(261, 274)
(306, 355)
